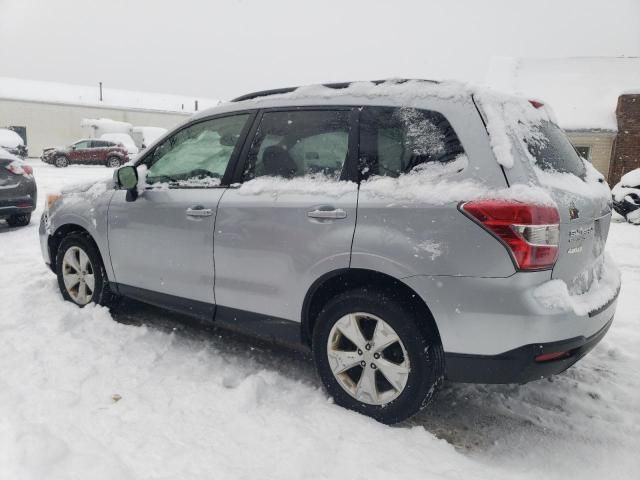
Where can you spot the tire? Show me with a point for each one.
(81, 247)
(417, 356)
(113, 162)
(61, 161)
(20, 220)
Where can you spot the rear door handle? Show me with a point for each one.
(199, 211)
(327, 213)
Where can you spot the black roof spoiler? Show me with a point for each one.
(336, 86)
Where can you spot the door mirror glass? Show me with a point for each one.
(127, 177)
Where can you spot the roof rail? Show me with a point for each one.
(336, 86)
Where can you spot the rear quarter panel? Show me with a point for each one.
(406, 238)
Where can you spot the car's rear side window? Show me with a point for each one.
(553, 152)
(395, 140)
(297, 143)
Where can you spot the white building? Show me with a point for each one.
(49, 114)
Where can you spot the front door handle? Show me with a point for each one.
(199, 211)
(327, 213)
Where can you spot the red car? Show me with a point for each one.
(87, 152)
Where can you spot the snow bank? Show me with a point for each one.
(9, 138)
(557, 296)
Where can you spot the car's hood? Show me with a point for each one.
(92, 189)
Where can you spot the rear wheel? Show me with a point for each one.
(61, 161)
(81, 275)
(20, 220)
(113, 162)
(374, 358)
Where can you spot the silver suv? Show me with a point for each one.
(404, 231)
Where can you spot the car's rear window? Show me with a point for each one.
(553, 151)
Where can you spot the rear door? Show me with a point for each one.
(293, 217)
(98, 154)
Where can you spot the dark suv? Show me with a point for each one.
(87, 152)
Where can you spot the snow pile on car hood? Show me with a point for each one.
(557, 296)
(629, 183)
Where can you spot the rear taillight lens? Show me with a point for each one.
(18, 169)
(530, 232)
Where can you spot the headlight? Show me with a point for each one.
(52, 198)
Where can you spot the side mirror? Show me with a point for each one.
(126, 178)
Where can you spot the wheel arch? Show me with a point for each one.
(334, 282)
(61, 232)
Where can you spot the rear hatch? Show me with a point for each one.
(583, 199)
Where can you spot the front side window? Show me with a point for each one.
(297, 143)
(394, 141)
(82, 145)
(197, 155)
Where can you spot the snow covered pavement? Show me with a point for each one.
(83, 396)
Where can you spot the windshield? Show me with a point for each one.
(553, 151)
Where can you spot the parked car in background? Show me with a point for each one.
(18, 191)
(123, 139)
(13, 143)
(626, 196)
(403, 231)
(87, 152)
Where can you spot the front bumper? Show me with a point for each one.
(519, 365)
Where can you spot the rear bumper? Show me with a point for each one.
(18, 205)
(519, 365)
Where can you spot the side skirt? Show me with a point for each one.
(271, 329)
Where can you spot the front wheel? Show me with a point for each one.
(61, 161)
(113, 162)
(81, 275)
(374, 358)
(21, 220)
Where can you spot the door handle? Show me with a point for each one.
(199, 211)
(327, 213)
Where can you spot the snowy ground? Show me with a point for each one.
(83, 396)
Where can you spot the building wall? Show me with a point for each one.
(51, 124)
(626, 154)
(601, 144)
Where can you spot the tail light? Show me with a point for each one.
(18, 169)
(530, 232)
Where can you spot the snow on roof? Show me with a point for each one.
(582, 91)
(53, 92)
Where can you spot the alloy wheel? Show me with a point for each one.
(78, 275)
(367, 358)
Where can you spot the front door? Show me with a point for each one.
(161, 244)
(292, 219)
(80, 152)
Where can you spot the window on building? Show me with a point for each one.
(584, 151)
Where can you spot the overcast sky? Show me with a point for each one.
(220, 49)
